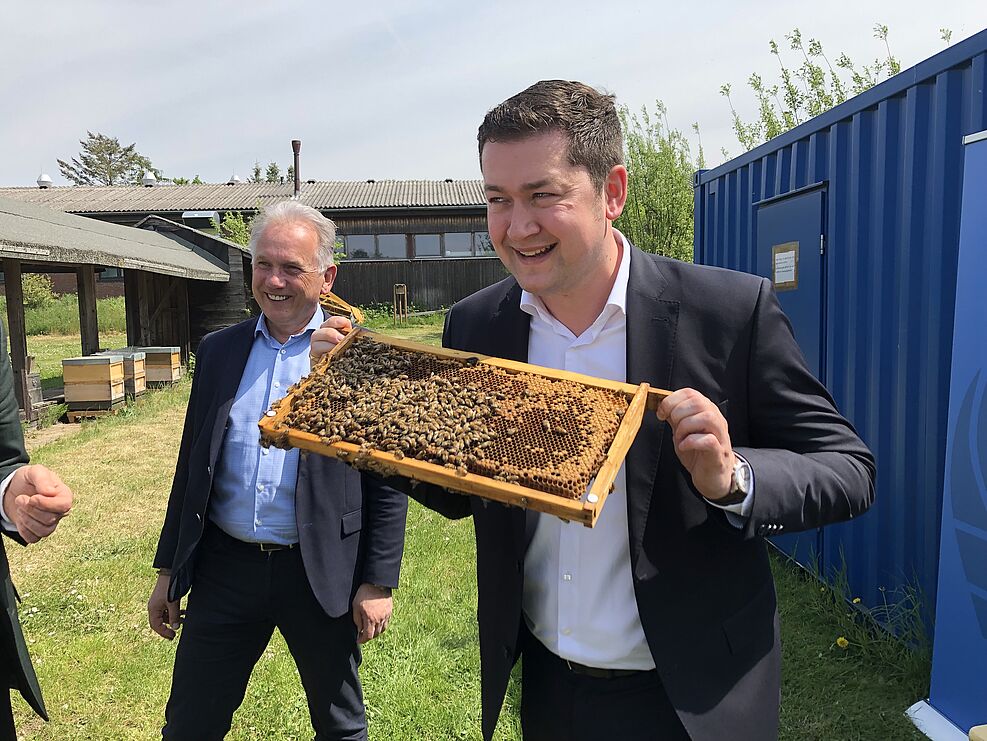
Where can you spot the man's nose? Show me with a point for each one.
(523, 224)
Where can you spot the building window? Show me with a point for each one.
(392, 246)
(459, 244)
(359, 246)
(427, 245)
(110, 274)
(482, 246)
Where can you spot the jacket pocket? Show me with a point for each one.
(352, 522)
(753, 624)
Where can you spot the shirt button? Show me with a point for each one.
(264, 451)
(566, 631)
(283, 351)
(277, 385)
(567, 577)
(260, 487)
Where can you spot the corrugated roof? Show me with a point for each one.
(326, 195)
(37, 234)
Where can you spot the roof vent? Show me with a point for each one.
(371, 181)
(234, 180)
(44, 180)
(310, 182)
(448, 180)
(149, 181)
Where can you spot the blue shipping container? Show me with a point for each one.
(855, 214)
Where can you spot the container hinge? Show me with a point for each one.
(822, 243)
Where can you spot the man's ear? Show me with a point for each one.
(615, 191)
(328, 279)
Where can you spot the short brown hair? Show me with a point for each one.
(586, 117)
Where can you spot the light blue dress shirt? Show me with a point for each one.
(253, 496)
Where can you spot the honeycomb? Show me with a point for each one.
(547, 434)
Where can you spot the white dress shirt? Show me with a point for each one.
(578, 595)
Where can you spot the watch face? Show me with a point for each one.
(742, 477)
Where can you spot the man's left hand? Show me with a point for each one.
(328, 335)
(702, 441)
(372, 608)
(35, 500)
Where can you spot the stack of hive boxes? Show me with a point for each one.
(134, 375)
(94, 382)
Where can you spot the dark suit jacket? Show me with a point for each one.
(16, 671)
(350, 526)
(703, 587)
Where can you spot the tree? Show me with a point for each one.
(234, 227)
(103, 161)
(256, 177)
(658, 214)
(185, 181)
(803, 92)
(273, 174)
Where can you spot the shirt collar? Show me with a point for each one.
(313, 324)
(616, 301)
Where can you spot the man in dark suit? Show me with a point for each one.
(33, 499)
(265, 538)
(660, 622)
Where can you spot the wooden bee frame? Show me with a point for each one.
(585, 510)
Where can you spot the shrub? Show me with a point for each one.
(38, 292)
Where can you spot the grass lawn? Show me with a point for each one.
(106, 675)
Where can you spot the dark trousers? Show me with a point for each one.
(558, 704)
(239, 596)
(7, 732)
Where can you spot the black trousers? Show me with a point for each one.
(7, 732)
(558, 704)
(239, 596)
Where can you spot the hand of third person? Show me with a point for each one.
(35, 500)
(330, 334)
(701, 439)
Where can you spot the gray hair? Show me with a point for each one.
(293, 212)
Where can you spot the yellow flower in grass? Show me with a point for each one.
(843, 643)
(856, 600)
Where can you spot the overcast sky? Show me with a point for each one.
(385, 89)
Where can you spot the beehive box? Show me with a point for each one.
(511, 432)
(94, 382)
(134, 374)
(162, 365)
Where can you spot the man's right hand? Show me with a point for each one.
(330, 334)
(163, 616)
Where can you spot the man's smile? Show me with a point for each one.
(273, 297)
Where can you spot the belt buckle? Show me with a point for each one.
(270, 547)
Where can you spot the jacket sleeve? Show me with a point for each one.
(810, 467)
(168, 540)
(386, 517)
(12, 453)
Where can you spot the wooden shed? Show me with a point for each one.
(178, 281)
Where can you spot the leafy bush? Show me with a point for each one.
(38, 291)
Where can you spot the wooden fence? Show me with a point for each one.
(432, 284)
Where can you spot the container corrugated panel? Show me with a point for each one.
(890, 161)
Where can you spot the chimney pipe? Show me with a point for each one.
(296, 147)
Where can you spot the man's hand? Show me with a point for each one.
(702, 441)
(372, 608)
(330, 334)
(35, 500)
(163, 616)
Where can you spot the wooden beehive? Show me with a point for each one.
(134, 374)
(94, 382)
(554, 442)
(162, 365)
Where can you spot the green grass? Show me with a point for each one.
(106, 676)
(427, 329)
(62, 317)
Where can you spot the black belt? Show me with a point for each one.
(598, 673)
(262, 547)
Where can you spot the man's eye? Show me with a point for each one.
(543, 195)
(495, 200)
(293, 271)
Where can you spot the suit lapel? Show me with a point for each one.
(236, 351)
(652, 323)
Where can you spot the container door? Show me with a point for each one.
(789, 253)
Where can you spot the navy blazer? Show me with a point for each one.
(350, 525)
(704, 589)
